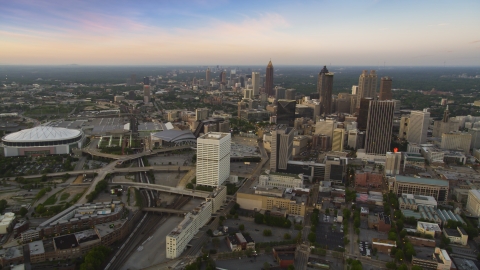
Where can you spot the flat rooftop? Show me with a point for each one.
(422, 181)
(66, 241)
(36, 247)
(214, 135)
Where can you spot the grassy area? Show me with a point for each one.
(64, 196)
(51, 200)
(48, 109)
(138, 198)
(77, 197)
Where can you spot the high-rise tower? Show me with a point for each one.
(213, 158)
(418, 126)
(256, 83)
(286, 112)
(324, 89)
(379, 127)
(385, 89)
(146, 90)
(269, 79)
(282, 146)
(367, 86)
(208, 76)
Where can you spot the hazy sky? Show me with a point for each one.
(104, 32)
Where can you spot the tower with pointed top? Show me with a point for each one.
(269, 79)
(445, 125)
(324, 88)
(208, 76)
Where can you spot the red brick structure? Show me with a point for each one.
(368, 179)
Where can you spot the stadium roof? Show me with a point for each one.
(174, 135)
(424, 181)
(42, 133)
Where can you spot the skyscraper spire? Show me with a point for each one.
(269, 79)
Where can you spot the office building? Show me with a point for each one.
(385, 89)
(256, 83)
(146, 81)
(201, 114)
(280, 180)
(392, 163)
(286, 112)
(178, 239)
(325, 127)
(338, 139)
(213, 158)
(248, 93)
(363, 113)
(403, 129)
(354, 90)
(146, 90)
(324, 89)
(355, 139)
(457, 141)
(378, 135)
(290, 94)
(279, 201)
(436, 188)
(223, 77)
(269, 79)
(437, 259)
(282, 146)
(473, 202)
(367, 86)
(445, 125)
(418, 126)
(208, 76)
(279, 92)
(456, 236)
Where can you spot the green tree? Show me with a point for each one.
(416, 267)
(291, 267)
(287, 236)
(266, 266)
(312, 237)
(23, 211)
(95, 258)
(399, 256)
(241, 227)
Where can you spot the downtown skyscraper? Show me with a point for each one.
(208, 76)
(367, 86)
(385, 89)
(282, 146)
(379, 127)
(324, 89)
(418, 126)
(269, 79)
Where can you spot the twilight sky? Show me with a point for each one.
(211, 32)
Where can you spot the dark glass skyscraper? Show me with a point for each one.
(324, 89)
(146, 81)
(269, 79)
(385, 88)
(286, 112)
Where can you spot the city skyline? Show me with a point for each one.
(220, 32)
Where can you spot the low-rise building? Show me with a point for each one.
(423, 242)
(383, 245)
(456, 236)
(438, 259)
(280, 180)
(11, 255)
(178, 239)
(436, 188)
(473, 202)
(379, 221)
(284, 255)
(293, 201)
(410, 201)
(429, 228)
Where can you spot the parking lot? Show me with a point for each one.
(256, 230)
(329, 233)
(249, 263)
(365, 248)
(367, 235)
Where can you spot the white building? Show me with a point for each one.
(256, 83)
(6, 222)
(418, 126)
(432, 153)
(392, 163)
(178, 239)
(473, 202)
(456, 141)
(282, 180)
(213, 158)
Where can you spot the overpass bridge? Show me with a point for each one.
(164, 210)
(172, 190)
(95, 152)
(157, 168)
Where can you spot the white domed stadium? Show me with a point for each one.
(42, 140)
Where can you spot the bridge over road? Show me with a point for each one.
(164, 210)
(173, 190)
